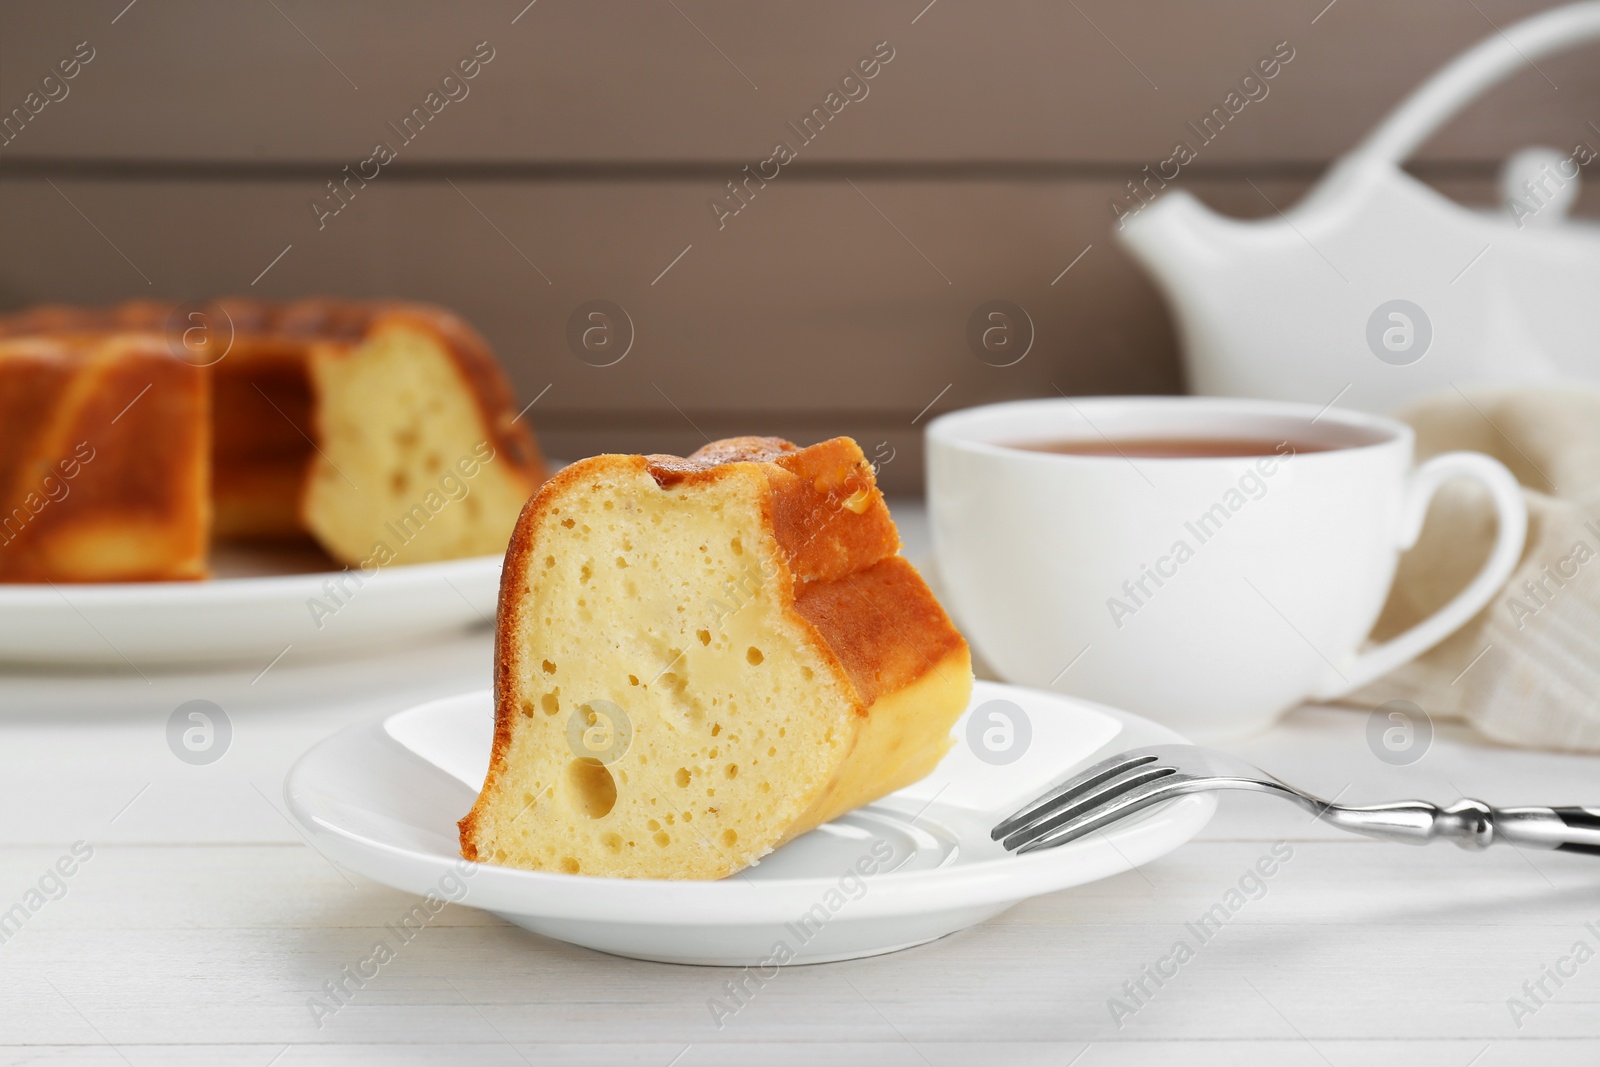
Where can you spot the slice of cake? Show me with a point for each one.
(104, 464)
(699, 659)
(419, 452)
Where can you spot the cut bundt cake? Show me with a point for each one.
(386, 431)
(699, 659)
(103, 460)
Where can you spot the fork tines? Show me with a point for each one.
(1102, 794)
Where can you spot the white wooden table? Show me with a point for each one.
(202, 924)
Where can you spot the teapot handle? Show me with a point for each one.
(1488, 62)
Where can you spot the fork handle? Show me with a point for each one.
(1473, 825)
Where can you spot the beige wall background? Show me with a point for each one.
(580, 163)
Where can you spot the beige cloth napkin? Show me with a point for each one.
(1526, 670)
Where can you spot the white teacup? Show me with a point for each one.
(1207, 593)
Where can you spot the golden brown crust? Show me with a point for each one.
(874, 617)
(881, 624)
(827, 513)
(103, 461)
(669, 471)
(258, 330)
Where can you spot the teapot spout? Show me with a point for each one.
(1181, 241)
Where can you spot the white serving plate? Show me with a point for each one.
(382, 799)
(260, 603)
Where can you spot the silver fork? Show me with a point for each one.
(1129, 782)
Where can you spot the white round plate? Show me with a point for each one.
(382, 800)
(260, 603)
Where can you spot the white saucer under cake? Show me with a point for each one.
(382, 800)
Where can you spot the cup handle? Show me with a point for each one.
(1512, 511)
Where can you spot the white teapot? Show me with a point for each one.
(1374, 289)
